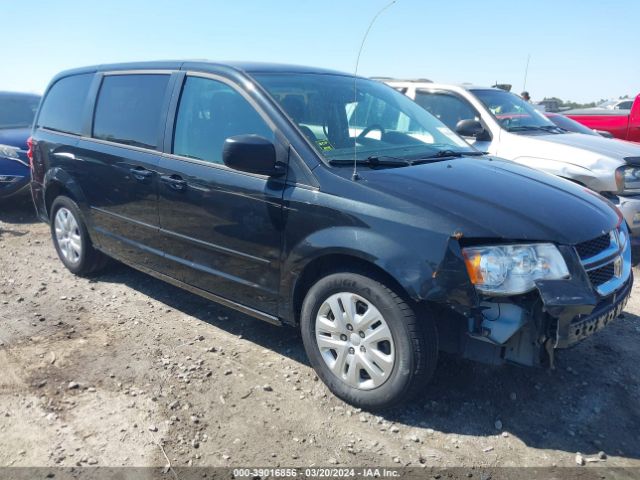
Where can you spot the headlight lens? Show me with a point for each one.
(8, 151)
(6, 179)
(513, 269)
(630, 178)
(622, 236)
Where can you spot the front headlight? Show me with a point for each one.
(6, 179)
(513, 269)
(8, 151)
(622, 236)
(629, 179)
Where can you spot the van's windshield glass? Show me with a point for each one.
(379, 121)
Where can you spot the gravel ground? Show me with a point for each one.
(123, 369)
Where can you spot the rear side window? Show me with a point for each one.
(63, 107)
(209, 113)
(129, 109)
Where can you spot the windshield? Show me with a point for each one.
(377, 120)
(511, 111)
(17, 111)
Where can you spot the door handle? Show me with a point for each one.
(140, 173)
(174, 182)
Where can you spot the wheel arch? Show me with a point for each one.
(403, 262)
(418, 268)
(58, 182)
(338, 262)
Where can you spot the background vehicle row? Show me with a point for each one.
(503, 124)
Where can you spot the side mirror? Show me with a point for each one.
(470, 128)
(251, 153)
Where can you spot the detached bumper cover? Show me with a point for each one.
(570, 333)
(580, 308)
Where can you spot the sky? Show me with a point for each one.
(580, 50)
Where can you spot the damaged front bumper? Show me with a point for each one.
(573, 331)
(601, 286)
(528, 329)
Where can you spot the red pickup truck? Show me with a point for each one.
(622, 124)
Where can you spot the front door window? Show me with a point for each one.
(210, 112)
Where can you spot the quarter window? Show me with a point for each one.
(449, 109)
(129, 109)
(63, 107)
(209, 113)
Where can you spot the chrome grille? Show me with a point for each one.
(591, 248)
(606, 260)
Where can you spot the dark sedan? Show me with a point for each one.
(16, 115)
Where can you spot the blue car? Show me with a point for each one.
(16, 115)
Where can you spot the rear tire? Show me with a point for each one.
(71, 238)
(376, 332)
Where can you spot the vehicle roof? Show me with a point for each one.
(407, 80)
(202, 65)
(18, 94)
(429, 84)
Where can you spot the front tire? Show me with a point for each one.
(365, 341)
(71, 239)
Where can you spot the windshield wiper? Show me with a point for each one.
(446, 154)
(539, 128)
(372, 161)
(455, 153)
(553, 128)
(386, 160)
(520, 128)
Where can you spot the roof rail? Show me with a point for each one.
(392, 79)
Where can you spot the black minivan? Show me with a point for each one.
(331, 203)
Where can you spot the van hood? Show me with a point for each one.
(493, 198)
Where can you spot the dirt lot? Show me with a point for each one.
(124, 369)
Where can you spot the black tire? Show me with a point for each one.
(416, 341)
(90, 260)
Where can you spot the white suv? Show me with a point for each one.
(505, 125)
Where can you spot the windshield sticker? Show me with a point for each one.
(324, 145)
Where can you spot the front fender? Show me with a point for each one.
(427, 268)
